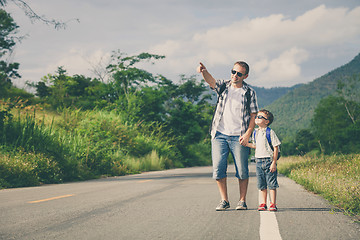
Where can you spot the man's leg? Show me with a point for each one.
(243, 186)
(220, 152)
(222, 185)
(241, 155)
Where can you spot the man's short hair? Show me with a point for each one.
(269, 115)
(244, 65)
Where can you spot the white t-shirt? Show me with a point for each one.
(263, 149)
(231, 122)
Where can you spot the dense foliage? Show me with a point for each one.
(134, 122)
(295, 110)
(8, 70)
(335, 126)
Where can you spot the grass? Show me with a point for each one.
(40, 146)
(71, 145)
(335, 177)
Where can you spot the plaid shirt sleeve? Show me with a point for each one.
(253, 102)
(274, 138)
(253, 109)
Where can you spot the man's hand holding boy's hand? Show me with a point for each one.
(244, 139)
(273, 167)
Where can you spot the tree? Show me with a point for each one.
(34, 16)
(8, 70)
(305, 141)
(61, 90)
(126, 77)
(333, 126)
(349, 91)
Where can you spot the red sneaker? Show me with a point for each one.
(262, 207)
(273, 207)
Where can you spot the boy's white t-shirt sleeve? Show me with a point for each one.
(274, 139)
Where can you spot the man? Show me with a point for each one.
(231, 128)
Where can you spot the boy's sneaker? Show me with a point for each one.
(273, 207)
(241, 205)
(262, 207)
(223, 205)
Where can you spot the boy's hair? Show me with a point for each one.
(244, 65)
(269, 115)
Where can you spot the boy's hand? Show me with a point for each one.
(273, 167)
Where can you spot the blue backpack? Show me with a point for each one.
(268, 139)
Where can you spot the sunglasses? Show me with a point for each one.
(237, 73)
(261, 117)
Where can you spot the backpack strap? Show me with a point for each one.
(268, 137)
(254, 135)
(248, 99)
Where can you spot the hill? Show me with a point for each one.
(294, 110)
(265, 96)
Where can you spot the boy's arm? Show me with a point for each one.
(273, 164)
(206, 75)
(251, 145)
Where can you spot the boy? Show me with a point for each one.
(265, 158)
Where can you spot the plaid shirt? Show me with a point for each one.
(244, 114)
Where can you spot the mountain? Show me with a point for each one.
(294, 110)
(265, 96)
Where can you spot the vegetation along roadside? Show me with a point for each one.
(335, 177)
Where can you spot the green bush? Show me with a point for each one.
(27, 169)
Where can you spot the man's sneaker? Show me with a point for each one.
(262, 207)
(241, 205)
(223, 205)
(273, 208)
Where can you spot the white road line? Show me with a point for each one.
(269, 228)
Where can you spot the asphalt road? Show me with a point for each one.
(172, 204)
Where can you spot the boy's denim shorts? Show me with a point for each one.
(265, 178)
(221, 146)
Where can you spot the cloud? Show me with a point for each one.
(282, 49)
(275, 46)
(279, 70)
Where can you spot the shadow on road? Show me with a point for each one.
(164, 176)
(309, 210)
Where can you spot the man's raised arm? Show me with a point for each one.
(206, 75)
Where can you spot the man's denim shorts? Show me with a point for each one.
(265, 178)
(221, 146)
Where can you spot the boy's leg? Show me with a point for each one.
(261, 183)
(263, 196)
(272, 183)
(273, 196)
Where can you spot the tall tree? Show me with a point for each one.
(125, 76)
(8, 30)
(334, 128)
(349, 91)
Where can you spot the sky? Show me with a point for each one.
(284, 42)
